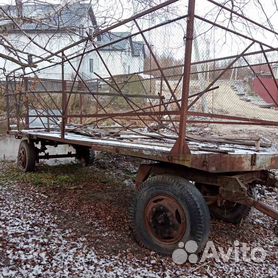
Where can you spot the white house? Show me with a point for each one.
(52, 28)
(276, 71)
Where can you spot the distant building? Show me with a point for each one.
(59, 28)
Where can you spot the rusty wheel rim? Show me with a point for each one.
(22, 157)
(165, 219)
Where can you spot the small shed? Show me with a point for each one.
(266, 86)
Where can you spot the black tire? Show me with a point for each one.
(27, 155)
(229, 212)
(276, 229)
(191, 211)
(85, 155)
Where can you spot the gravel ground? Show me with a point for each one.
(52, 226)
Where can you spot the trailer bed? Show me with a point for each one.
(214, 157)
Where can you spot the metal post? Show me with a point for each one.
(97, 101)
(160, 100)
(81, 107)
(25, 80)
(180, 148)
(18, 92)
(64, 98)
(8, 104)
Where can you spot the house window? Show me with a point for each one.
(91, 65)
(81, 30)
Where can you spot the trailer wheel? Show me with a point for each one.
(26, 157)
(276, 229)
(85, 155)
(168, 210)
(227, 211)
(230, 212)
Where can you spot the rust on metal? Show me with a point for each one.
(264, 208)
(165, 219)
(157, 109)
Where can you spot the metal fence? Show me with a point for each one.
(163, 74)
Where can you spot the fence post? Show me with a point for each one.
(64, 99)
(26, 102)
(7, 103)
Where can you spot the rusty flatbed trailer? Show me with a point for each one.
(150, 113)
(204, 156)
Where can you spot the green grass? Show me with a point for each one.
(70, 176)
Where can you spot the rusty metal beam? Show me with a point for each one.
(180, 148)
(260, 206)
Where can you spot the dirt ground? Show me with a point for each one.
(225, 101)
(68, 221)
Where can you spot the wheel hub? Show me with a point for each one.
(165, 219)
